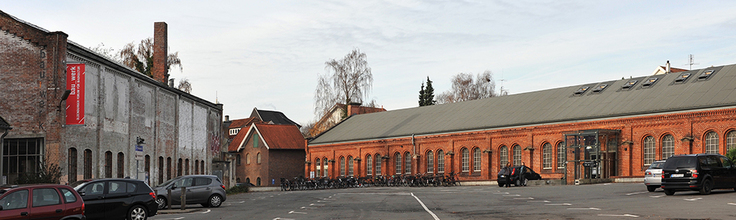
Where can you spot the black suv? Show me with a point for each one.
(698, 172)
(117, 199)
(519, 175)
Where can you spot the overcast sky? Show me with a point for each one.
(268, 54)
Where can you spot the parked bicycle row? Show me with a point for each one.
(417, 180)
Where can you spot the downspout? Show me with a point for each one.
(414, 153)
(2, 138)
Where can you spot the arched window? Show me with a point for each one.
(87, 164)
(465, 160)
(247, 179)
(561, 155)
(503, 156)
(168, 168)
(407, 163)
(648, 150)
(108, 164)
(258, 158)
(369, 165)
(476, 160)
(668, 146)
(247, 159)
(160, 170)
(201, 163)
(517, 155)
(258, 181)
(397, 160)
(72, 177)
(325, 168)
(342, 166)
(378, 164)
(547, 156)
(440, 161)
(121, 165)
(730, 141)
(350, 165)
(430, 162)
(317, 167)
(186, 166)
(196, 166)
(237, 160)
(711, 143)
(178, 167)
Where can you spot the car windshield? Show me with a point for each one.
(656, 165)
(680, 162)
(167, 182)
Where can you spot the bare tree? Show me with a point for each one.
(140, 57)
(108, 52)
(348, 80)
(185, 86)
(464, 88)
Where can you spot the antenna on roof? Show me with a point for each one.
(501, 91)
(692, 62)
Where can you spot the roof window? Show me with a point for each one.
(630, 84)
(649, 82)
(682, 77)
(706, 74)
(582, 90)
(600, 88)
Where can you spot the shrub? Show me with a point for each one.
(237, 189)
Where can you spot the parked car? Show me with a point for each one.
(49, 201)
(653, 175)
(117, 199)
(517, 173)
(206, 190)
(700, 172)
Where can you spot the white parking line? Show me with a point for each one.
(316, 204)
(512, 195)
(591, 208)
(559, 204)
(731, 203)
(525, 198)
(293, 212)
(205, 212)
(538, 201)
(279, 218)
(425, 207)
(634, 193)
(615, 215)
(693, 199)
(656, 196)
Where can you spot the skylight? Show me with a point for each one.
(630, 84)
(649, 81)
(581, 90)
(706, 74)
(682, 77)
(600, 88)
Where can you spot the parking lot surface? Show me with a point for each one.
(598, 201)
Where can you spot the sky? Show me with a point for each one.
(269, 54)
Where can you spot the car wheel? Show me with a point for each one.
(651, 188)
(669, 192)
(161, 201)
(500, 184)
(137, 213)
(215, 201)
(707, 187)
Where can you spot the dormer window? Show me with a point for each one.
(234, 131)
(630, 84)
(682, 77)
(582, 90)
(649, 82)
(600, 88)
(706, 74)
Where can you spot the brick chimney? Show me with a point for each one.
(353, 109)
(160, 44)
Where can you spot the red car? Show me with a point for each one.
(48, 201)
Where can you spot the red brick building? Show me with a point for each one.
(264, 153)
(617, 127)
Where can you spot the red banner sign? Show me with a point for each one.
(75, 102)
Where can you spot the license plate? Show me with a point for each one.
(678, 175)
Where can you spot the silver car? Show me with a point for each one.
(653, 175)
(206, 190)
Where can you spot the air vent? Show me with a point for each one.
(600, 88)
(682, 77)
(630, 84)
(649, 82)
(706, 74)
(581, 90)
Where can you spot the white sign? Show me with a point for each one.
(138, 152)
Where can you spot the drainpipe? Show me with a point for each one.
(415, 156)
(1, 154)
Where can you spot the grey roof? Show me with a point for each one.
(547, 106)
(273, 116)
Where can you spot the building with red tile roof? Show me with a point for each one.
(265, 153)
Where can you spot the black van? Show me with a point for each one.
(698, 172)
(519, 175)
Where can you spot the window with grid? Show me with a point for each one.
(369, 165)
(648, 150)
(547, 156)
(325, 168)
(476, 160)
(561, 155)
(407, 163)
(465, 160)
(350, 165)
(72, 165)
(731, 140)
(397, 160)
(88, 164)
(378, 164)
(317, 167)
(342, 166)
(711, 143)
(108, 164)
(503, 156)
(668, 146)
(440, 161)
(121, 165)
(430, 162)
(517, 155)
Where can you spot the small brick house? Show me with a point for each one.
(264, 153)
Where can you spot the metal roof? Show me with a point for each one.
(557, 105)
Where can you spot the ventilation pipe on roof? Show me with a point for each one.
(668, 67)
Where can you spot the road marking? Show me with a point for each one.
(606, 184)
(316, 204)
(559, 204)
(731, 203)
(279, 218)
(614, 215)
(591, 208)
(634, 193)
(512, 195)
(293, 212)
(425, 207)
(525, 198)
(693, 199)
(241, 202)
(538, 201)
(655, 196)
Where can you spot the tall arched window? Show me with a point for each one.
(121, 165)
(547, 156)
(476, 160)
(318, 167)
(87, 164)
(160, 170)
(350, 165)
(440, 161)
(648, 150)
(668, 146)
(730, 141)
(169, 168)
(378, 164)
(201, 167)
(397, 159)
(186, 166)
(108, 164)
(325, 167)
(369, 165)
(196, 166)
(430, 162)
(711, 143)
(247, 158)
(258, 181)
(258, 158)
(178, 167)
(503, 156)
(342, 166)
(407, 163)
(465, 160)
(72, 165)
(517, 155)
(561, 155)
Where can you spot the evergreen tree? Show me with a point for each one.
(426, 94)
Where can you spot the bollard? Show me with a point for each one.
(183, 197)
(168, 200)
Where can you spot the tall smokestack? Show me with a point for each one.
(160, 50)
(668, 67)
